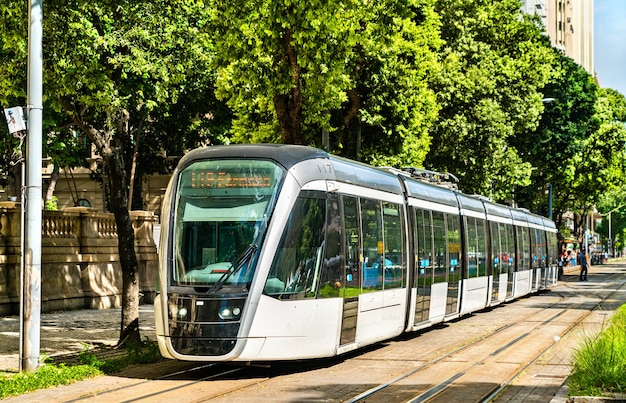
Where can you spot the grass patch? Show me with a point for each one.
(51, 374)
(600, 364)
(142, 353)
(46, 376)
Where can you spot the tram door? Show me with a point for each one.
(454, 259)
(352, 242)
(497, 260)
(511, 261)
(424, 277)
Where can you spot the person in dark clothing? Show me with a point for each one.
(561, 262)
(583, 266)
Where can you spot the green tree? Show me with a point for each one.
(392, 104)
(113, 68)
(556, 147)
(59, 141)
(493, 64)
(290, 69)
(578, 147)
(613, 199)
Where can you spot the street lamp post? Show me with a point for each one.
(547, 101)
(550, 200)
(610, 241)
(31, 252)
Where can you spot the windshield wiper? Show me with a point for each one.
(240, 262)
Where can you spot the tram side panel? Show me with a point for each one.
(476, 282)
(502, 257)
(299, 312)
(380, 243)
(373, 239)
(552, 253)
(436, 280)
(522, 277)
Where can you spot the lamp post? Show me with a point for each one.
(550, 200)
(31, 253)
(547, 101)
(610, 241)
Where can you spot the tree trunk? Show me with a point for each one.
(289, 106)
(129, 330)
(133, 169)
(54, 178)
(112, 150)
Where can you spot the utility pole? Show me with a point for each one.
(31, 252)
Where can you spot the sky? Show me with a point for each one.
(610, 43)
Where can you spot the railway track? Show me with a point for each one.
(473, 359)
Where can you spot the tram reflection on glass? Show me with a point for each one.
(281, 252)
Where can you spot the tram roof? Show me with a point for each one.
(285, 154)
(535, 219)
(548, 223)
(470, 202)
(365, 175)
(497, 209)
(288, 156)
(432, 193)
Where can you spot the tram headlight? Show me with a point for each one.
(229, 313)
(178, 312)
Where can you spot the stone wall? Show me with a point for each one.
(80, 265)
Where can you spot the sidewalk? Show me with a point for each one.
(68, 332)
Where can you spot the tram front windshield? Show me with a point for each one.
(221, 212)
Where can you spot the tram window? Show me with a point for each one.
(497, 258)
(552, 248)
(331, 276)
(373, 245)
(482, 245)
(472, 247)
(540, 248)
(393, 255)
(424, 247)
(454, 246)
(294, 273)
(510, 247)
(523, 248)
(220, 209)
(537, 245)
(440, 262)
(477, 247)
(352, 246)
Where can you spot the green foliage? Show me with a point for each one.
(52, 204)
(50, 374)
(398, 57)
(45, 377)
(494, 63)
(282, 58)
(600, 364)
(138, 71)
(578, 147)
(113, 70)
(290, 70)
(560, 148)
(136, 353)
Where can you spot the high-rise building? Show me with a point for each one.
(569, 24)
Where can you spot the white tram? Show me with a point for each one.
(280, 252)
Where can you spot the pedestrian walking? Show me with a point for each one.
(561, 263)
(584, 265)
